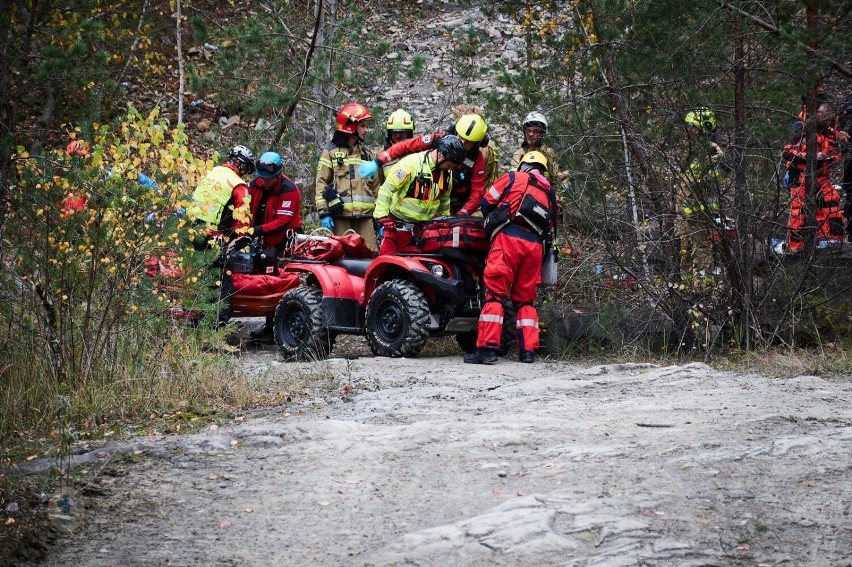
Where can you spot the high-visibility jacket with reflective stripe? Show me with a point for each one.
(414, 191)
(339, 165)
(213, 194)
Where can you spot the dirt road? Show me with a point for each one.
(434, 462)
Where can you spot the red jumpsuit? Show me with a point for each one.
(468, 185)
(513, 265)
(282, 210)
(829, 218)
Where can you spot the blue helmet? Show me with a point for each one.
(269, 165)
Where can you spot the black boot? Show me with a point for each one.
(481, 356)
(527, 357)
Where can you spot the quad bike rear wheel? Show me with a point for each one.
(301, 332)
(397, 319)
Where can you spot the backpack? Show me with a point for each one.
(535, 210)
(536, 207)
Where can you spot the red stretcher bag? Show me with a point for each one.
(460, 233)
(262, 284)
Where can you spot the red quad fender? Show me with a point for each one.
(334, 281)
(388, 267)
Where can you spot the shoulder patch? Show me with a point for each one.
(401, 174)
(427, 138)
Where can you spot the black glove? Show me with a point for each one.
(332, 199)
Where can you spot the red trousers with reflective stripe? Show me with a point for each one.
(512, 271)
(829, 218)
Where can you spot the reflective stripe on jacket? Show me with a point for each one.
(412, 193)
(339, 165)
(213, 194)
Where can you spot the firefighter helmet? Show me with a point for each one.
(534, 158)
(243, 158)
(471, 127)
(452, 148)
(702, 118)
(269, 165)
(400, 120)
(536, 119)
(350, 115)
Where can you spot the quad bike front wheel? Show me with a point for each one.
(397, 319)
(301, 332)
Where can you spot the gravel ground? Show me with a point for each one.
(430, 461)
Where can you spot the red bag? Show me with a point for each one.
(460, 233)
(327, 250)
(354, 245)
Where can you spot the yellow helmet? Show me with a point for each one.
(471, 127)
(536, 158)
(400, 120)
(702, 118)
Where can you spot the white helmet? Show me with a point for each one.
(537, 119)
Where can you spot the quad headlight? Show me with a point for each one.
(438, 270)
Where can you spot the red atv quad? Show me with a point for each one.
(398, 301)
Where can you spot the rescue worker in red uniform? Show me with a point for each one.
(468, 183)
(276, 204)
(829, 218)
(276, 208)
(416, 191)
(513, 266)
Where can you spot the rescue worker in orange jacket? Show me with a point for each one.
(829, 218)
(468, 182)
(527, 204)
(416, 191)
(344, 198)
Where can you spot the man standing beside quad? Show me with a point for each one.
(344, 197)
(416, 190)
(520, 209)
(220, 200)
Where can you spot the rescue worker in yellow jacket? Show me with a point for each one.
(698, 195)
(417, 190)
(345, 200)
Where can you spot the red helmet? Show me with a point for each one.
(350, 115)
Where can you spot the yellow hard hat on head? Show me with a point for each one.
(471, 127)
(702, 118)
(400, 120)
(536, 158)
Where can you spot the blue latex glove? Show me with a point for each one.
(380, 233)
(368, 169)
(147, 181)
(327, 222)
